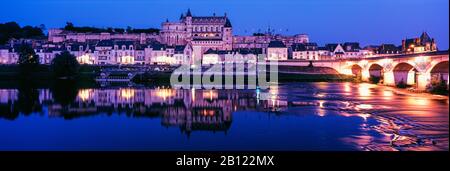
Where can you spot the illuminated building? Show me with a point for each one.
(418, 45)
(7, 55)
(202, 33)
(168, 55)
(277, 50)
(60, 36)
(305, 51)
(119, 52)
(231, 56)
(263, 40)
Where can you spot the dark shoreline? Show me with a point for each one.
(43, 78)
(163, 80)
(282, 77)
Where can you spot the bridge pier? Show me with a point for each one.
(365, 75)
(388, 78)
(423, 80)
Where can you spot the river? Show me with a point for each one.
(287, 117)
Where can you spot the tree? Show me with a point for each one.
(110, 30)
(13, 30)
(69, 26)
(65, 66)
(27, 56)
(28, 60)
(31, 32)
(119, 30)
(42, 27)
(129, 29)
(258, 34)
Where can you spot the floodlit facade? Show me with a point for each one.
(236, 56)
(277, 50)
(201, 32)
(263, 40)
(305, 51)
(424, 43)
(61, 36)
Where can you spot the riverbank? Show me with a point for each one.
(42, 77)
(43, 72)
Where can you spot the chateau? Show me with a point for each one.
(202, 33)
(417, 45)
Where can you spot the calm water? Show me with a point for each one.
(294, 116)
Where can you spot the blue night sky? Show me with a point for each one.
(325, 21)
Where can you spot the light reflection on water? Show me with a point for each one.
(293, 116)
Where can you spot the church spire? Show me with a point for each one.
(189, 14)
(228, 23)
(424, 37)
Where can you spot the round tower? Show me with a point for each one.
(188, 22)
(228, 34)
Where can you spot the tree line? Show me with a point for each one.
(13, 30)
(85, 29)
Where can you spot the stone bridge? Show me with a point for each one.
(417, 70)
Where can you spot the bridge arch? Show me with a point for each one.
(376, 71)
(439, 72)
(356, 70)
(405, 74)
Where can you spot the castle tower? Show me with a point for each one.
(228, 35)
(188, 22)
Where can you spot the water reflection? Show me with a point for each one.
(190, 110)
(364, 90)
(313, 116)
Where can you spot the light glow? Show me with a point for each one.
(85, 59)
(127, 60)
(165, 93)
(85, 94)
(127, 93)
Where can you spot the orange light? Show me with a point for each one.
(127, 93)
(85, 94)
(165, 93)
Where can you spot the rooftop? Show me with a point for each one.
(276, 44)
